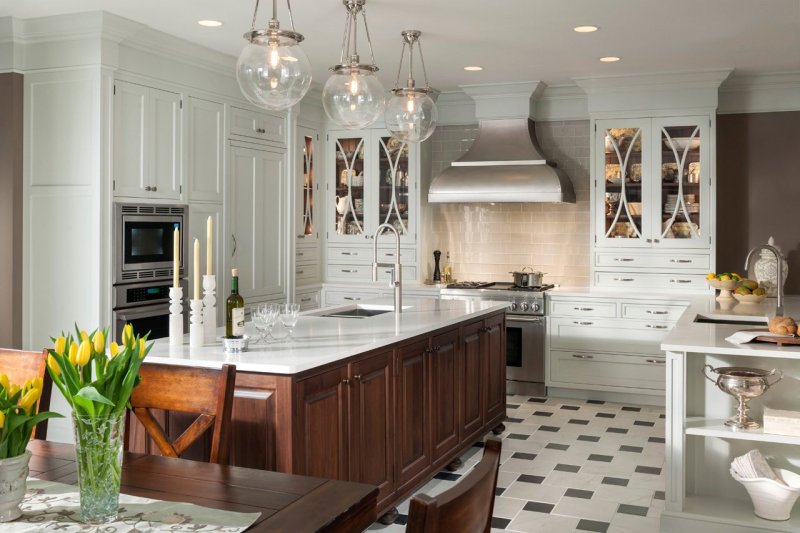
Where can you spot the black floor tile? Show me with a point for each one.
(515, 420)
(579, 493)
(659, 495)
(570, 407)
(478, 444)
(620, 482)
(592, 525)
(661, 440)
(634, 449)
(539, 507)
(498, 491)
(518, 436)
(578, 421)
(644, 423)
(605, 415)
(588, 438)
(552, 429)
(596, 402)
(537, 400)
(648, 470)
(542, 413)
(601, 458)
(567, 468)
(511, 405)
(500, 523)
(636, 510)
(617, 430)
(632, 409)
(554, 446)
(528, 478)
(447, 476)
(523, 455)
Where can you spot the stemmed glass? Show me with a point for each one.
(270, 316)
(288, 316)
(258, 312)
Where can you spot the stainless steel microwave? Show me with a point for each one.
(143, 241)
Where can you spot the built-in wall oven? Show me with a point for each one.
(143, 265)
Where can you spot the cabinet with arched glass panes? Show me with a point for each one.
(652, 183)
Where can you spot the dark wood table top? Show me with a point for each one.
(286, 502)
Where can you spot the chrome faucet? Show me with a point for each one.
(396, 281)
(779, 259)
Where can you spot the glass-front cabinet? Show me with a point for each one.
(652, 182)
(307, 186)
(373, 183)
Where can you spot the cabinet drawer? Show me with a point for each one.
(349, 255)
(308, 300)
(669, 313)
(607, 335)
(384, 273)
(625, 259)
(306, 255)
(340, 296)
(583, 308)
(255, 125)
(691, 282)
(407, 257)
(349, 272)
(607, 370)
(305, 273)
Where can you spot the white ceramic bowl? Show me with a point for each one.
(772, 500)
(750, 298)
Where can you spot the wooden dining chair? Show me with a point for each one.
(21, 366)
(467, 507)
(205, 392)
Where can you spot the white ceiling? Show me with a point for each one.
(514, 40)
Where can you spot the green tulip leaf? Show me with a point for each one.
(90, 393)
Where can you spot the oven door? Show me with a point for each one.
(152, 318)
(525, 343)
(144, 242)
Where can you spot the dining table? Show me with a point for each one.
(287, 502)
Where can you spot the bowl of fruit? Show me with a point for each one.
(725, 283)
(749, 292)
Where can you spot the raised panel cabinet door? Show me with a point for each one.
(204, 146)
(164, 154)
(129, 166)
(372, 422)
(411, 422)
(320, 434)
(471, 397)
(495, 356)
(445, 383)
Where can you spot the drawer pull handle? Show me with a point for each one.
(649, 240)
(301, 236)
(581, 356)
(300, 254)
(349, 271)
(349, 253)
(656, 361)
(657, 326)
(352, 298)
(623, 259)
(624, 279)
(584, 308)
(346, 381)
(304, 300)
(389, 254)
(680, 281)
(300, 272)
(583, 323)
(649, 312)
(680, 260)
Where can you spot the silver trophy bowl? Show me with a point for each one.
(743, 383)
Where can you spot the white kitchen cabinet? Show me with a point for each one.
(205, 145)
(307, 270)
(259, 222)
(349, 295)
(252, 125)
(198, 218)
(146, 142)
(308, 299)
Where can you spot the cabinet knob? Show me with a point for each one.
(346, 381)
(148, 188)
(154, 189)
(357, 377)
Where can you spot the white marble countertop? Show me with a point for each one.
(709, 338)
(318, 340)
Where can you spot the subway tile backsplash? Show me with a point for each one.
(486, 241)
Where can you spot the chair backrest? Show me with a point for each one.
(21, 366)
(206, 392)
(466, 507)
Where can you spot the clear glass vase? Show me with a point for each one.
(98, 448)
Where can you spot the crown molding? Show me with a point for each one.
(761, 93)
(692, 79)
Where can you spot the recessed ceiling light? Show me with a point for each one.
(210, 23)
(609, 59)
(474, 68)
(585, 29)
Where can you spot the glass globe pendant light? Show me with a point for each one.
(353, 97)
(411, 114)
(273, 72)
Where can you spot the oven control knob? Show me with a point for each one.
(513, 306)
(535, 307)
(524, 306)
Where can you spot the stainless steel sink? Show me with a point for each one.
(732, 319)
(358, 312)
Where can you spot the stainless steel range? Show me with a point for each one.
(525, 329)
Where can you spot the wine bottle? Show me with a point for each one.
(448, 269)
(234, 308)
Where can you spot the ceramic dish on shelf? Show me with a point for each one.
(750, 298)
(680, 143)
(772, 500)
(635, 208)
(612, 173)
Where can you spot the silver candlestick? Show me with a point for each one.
(209, 309)
(196, 332)
(176, 316)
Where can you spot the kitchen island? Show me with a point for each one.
(701, 495)
(388, 400)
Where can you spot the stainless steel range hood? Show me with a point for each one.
(505, 163)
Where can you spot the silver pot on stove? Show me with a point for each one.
(531, 278)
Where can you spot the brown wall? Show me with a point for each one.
(758, 188)
(11, 210)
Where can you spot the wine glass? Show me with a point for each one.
(288, 316)
(270, 317)
(258, 313)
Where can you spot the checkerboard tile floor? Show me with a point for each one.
(571, 465)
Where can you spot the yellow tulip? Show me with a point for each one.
(73, 353)
(12, 390)
(2, 419)
(38, 383)
(127, 334)
(84, 352)
(53, 364)
(4, 381)
(60, 345)
(26, 385)
(99, 342)
(84, 335)
(114, 349)
(141, 348)
(29, 399)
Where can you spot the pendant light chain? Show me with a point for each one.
(400, 66)
(291, 16)
(366, 31)
(422, 60)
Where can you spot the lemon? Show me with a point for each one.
(711, 275)
(724, 277)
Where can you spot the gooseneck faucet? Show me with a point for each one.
(779, 259)
(396, 281)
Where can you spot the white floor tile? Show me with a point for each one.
(528, 522)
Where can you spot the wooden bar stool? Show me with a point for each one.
(467, 506)
(21, 366)
(205, 392)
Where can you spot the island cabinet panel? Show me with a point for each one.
(320, 445)
(371, 421)
(471, 398)
(495, 358)
(444, 392)
(413, 452)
